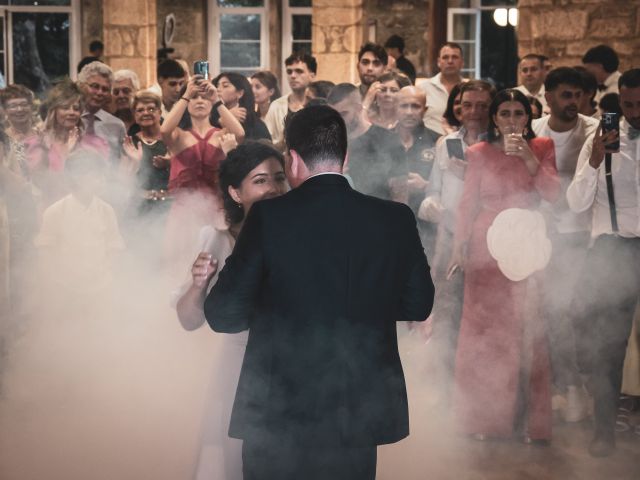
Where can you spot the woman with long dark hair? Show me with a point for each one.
(265, 90)
(237, 94)
(502, 373)
(253, 171)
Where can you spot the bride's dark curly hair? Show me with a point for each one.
(234, 169)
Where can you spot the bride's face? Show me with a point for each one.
(267, 180)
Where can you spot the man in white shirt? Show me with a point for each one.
(440, 206)
(569, 232)
(532, 75)
(301, 70)
(603, 62)
(450, 63)
(606, 299)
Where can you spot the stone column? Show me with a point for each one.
(338, 33)
(129, 32)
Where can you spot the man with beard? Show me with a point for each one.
(438, 88)
(606, 184)
(301, 70)
(569, 232)
(441, 207)
(376, 163)
(125, 86)
(419, 143)
(372, 61)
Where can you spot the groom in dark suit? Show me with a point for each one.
(320, 276)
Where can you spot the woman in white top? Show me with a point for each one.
(253, 171)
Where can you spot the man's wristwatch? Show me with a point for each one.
(217, 104)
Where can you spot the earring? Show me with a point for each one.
(525, 132)
(496, 132)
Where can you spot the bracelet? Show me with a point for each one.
(217, 104)
(185, 99)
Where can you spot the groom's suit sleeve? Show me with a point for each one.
(417, 297)
(231, 302)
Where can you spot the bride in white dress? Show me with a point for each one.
(253, 171)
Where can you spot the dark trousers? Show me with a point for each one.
(604, 306)
(285, 461)
(560, 280)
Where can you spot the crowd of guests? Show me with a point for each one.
(103, 156)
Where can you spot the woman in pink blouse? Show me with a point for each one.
(63, 133)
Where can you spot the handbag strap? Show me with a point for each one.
(612, 201)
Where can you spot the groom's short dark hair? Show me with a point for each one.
(318, 134)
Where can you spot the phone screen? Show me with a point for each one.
(611, 121)
(454, 148)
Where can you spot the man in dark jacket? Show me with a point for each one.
(320, 276)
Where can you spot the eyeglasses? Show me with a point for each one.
(146, 110)
(98, 87)
(124, 90)
(18, 106)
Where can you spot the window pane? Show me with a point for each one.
(469, 55)
(236, 54)
(240, 3)
(40, 49)
(3, 82)
(464, 27)
(240, 27)
(301, 26)
(301, 47)
(299, 3)
(2, 33)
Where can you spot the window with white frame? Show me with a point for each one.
(39, 41)
(240, 40)
(489, 44)
(296, 31)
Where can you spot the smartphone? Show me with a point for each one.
(611, 121)
(201, 67)
(454, 148)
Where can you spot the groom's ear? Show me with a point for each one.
(295, 163)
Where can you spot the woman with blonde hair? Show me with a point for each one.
(62, 133)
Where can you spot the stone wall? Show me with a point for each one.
(337, 37)
(130, 37)
(407, 18)
(565, 29)
(190, 39)
(91, 24)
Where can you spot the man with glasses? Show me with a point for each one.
(301, 70)
(372, 61)
(95, 79)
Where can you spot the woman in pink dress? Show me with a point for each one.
(193, 177)
(63, 133)
(502, 377)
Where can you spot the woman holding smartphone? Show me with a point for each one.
(502, 375)
(193, 175)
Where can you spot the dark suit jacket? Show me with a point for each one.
(320, 276)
